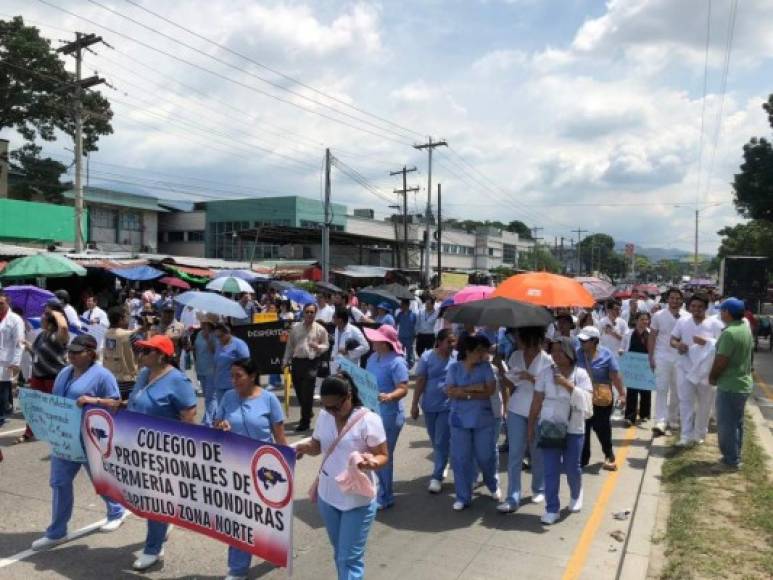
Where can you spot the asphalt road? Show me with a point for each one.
(421, 537)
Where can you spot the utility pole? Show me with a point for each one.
(327, 221)
(76, 48)
(439, 232)
(579, 233)
(537, 239)
(404, 192)
(429, 146)
(695, 254)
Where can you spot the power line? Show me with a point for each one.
(703, 102)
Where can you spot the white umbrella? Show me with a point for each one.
(212, 303)
(230, 284)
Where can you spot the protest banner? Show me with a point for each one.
(367, 386)
(266, 342)
(261, 317)
(231, 488)
(56, 420)
(636, 371)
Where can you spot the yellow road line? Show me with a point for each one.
(580, 554)
(766, 388)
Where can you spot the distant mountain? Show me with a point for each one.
(655, 254)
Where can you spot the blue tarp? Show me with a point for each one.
(138, 273)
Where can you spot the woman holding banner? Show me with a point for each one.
(88, 384)
(387, 364)
(161, 390)
(353, 441)
(256, 413)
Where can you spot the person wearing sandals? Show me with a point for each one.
(161, 390)
(87, 382)
(347, 433)
(604, 370)
(527, 365)
(431, 372)
(469, 385)
(564, 397)
(252, 412)
(387, 363)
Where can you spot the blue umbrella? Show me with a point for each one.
(211, 303)
(299, 296)
(31, 299)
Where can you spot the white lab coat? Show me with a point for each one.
(11, 338)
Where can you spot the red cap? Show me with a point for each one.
(159, 342)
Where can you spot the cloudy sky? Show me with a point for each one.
(560, 113)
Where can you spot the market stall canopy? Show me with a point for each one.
(43, 265)
(328, 287)
(174, 282)
(138, 273)
(31, 299)
(545, 289)
(499, 312)
(212, 303)
(599, 289)
(230, 284)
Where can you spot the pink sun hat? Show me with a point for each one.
(385, 333)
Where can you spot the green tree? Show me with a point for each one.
(519, 228)
(42, 177)
(539, 259)
(753, 186)
(37, 99)
(750, 239)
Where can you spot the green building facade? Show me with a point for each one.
(40, 223)
(226, 217)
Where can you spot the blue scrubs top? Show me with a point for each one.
(252, 418)
(602, 365)
(434, 369)
(472, 414)
(225, 356)
(205, 358)
(166, 398)
(97, 381)
(390, 370)
(505, 344)
(406, 324)
(386, 319)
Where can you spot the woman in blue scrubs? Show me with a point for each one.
(256, 413)
(161, 390)
(204, 348)
(387, 364)
(431, 372)
(470, 384)
(229, 349)
(87, 383)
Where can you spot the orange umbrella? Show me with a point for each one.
(545, 289)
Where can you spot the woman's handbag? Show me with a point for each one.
(551, 435)
(602, 392)
(313, 490)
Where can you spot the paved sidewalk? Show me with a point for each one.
(421, 537)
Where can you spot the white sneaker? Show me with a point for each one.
(445, 471)
(496, 495)
(575, 505)
(113, 525)
(145, 561)
(682, 443)
(659, 428)
(549, 519)
(434, 486)
(168, 531)
(45, 542)
(232, 577)
(458, 506)
(539, 498)
(506, 508)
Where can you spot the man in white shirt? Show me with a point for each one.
(94, 314)
(348, 340)
(613, 328)
(663, 361)
(695, 398)
(11, 339)
(325, 309)
(69, 312)
(426, 321)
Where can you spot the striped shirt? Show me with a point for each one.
(48, 356)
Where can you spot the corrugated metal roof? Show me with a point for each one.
(118, 198)
(14, 250)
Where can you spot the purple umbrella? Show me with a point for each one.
(31, 299)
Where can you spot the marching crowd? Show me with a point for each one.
(544, 389)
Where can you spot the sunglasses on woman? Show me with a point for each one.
(335, 408)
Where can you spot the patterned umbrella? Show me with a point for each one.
(230, 284)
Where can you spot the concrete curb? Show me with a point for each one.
(636, 556)
(764, 435)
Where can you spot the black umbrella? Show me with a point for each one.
(375, 296)
(328, 287)
(499, 312)
(397, 290)
(280, 285)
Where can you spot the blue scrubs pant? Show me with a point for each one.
(63, 473)
(393, 424)
(348, 532)
(407, 342)
(238, 561)
(210, 400)
(558, 461)
(516, 433)
(154, 541)
(471, 449)
(440, 436)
